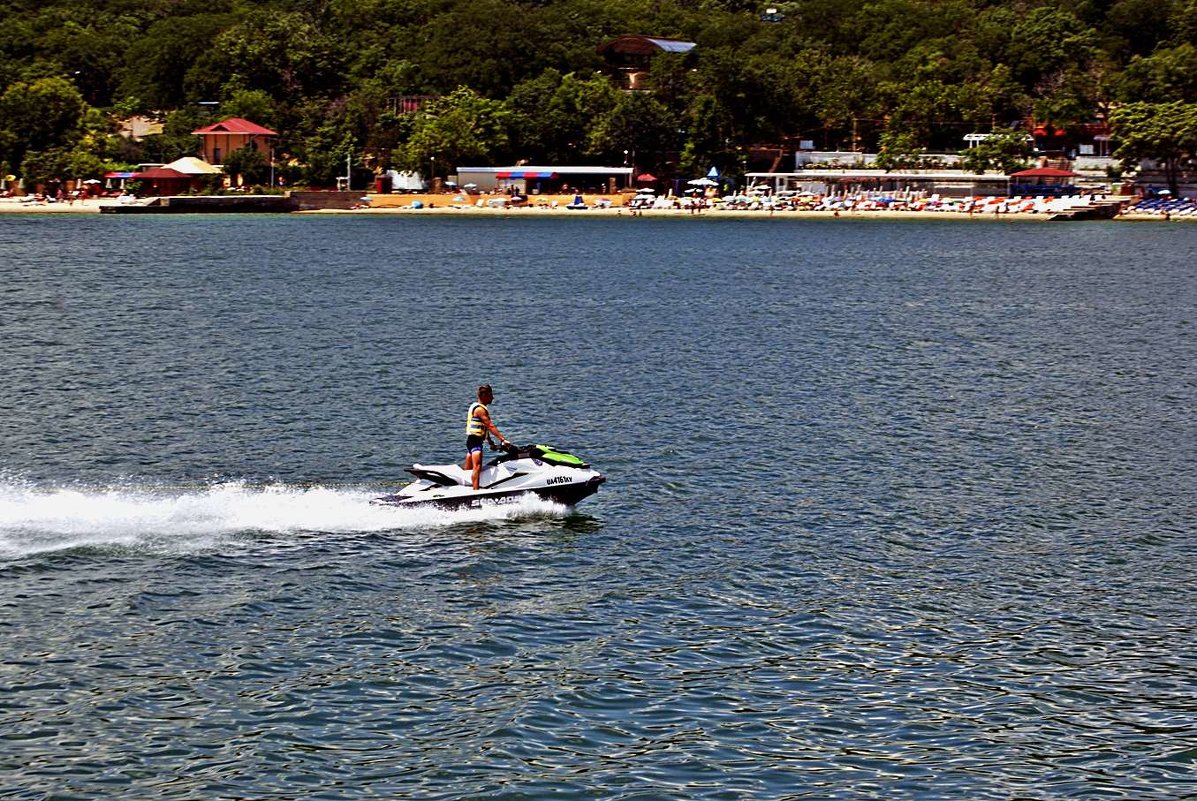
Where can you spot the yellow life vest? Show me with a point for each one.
(474, 425)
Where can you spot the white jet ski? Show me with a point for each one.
(539, 470)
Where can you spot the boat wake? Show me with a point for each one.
(35, 520)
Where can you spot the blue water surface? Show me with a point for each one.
(895, 510)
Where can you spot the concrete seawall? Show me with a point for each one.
(206, 204)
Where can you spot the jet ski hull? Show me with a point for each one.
(533, 470)
(567, 495)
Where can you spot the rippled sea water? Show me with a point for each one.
(894, 510)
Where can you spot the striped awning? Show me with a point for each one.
(524, 174)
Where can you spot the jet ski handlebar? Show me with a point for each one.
(510, 450)
(546, 452)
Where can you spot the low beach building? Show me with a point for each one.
(531, 180)
(830, 181)
(162, 181)
(1044, 181)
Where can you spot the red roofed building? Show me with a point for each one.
(162, 181)
(224, 137)
(1042, 181)
(1045, 175)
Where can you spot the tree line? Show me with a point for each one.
(506, 80)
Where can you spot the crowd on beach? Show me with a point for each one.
(807, 201)
(648, 203)
(46, 198)
(1161, 206)
(1166, 206)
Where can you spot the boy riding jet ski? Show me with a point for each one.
(539, 470)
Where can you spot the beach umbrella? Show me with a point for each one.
(646, 177)
(702, 182)
(713, 173)
(471, 186)
(646, 190)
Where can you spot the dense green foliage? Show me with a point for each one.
(520, 80)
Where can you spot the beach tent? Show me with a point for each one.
(112, 178)
(190, 165)
(405, 181)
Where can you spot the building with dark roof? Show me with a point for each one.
(629, 57)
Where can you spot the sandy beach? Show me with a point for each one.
(89, 206)
(555, 206)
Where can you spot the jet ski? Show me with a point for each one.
(539, 470)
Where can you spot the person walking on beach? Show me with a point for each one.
(479, 427)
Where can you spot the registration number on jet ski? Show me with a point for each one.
(557, 480)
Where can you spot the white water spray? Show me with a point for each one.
(44, 519)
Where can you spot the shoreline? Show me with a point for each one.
(390, 207)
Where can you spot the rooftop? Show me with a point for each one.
(234, 125)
